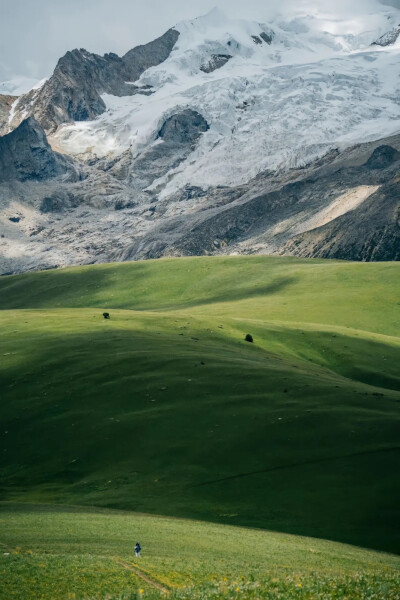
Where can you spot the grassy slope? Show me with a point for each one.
(69, 553)
(298, 432)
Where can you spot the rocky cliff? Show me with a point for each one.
(26, 155)
(73, 92)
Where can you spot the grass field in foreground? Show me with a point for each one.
(164, 408)
(54, 552)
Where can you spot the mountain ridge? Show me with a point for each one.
(73, 92)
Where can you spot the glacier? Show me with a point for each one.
(317, 86)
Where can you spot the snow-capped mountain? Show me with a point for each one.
(211, 115)
(258, 85)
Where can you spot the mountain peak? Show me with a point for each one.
(214, 16)
(74, 92)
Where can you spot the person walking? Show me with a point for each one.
(138, 549)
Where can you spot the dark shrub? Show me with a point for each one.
(106, 315)
(249, 338)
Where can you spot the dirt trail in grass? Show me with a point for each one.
(143, 576)
(135, 569)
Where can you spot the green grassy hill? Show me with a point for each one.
(164, 408)
(51, 552)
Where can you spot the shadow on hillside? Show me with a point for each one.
(100, 287)
(244, 293)
(66, 288)
(83, 406)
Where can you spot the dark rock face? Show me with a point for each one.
(388, 38)
(73, 93)
(183, 128)
(369, 233)
(137, 60)
(383, 157)
(267, 37)
(57, 202)
(26, 154)
(216, 62)
(263, 37)
(192, 191)
(179, 134)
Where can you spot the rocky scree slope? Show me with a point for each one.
(370, 232)
(345, 206)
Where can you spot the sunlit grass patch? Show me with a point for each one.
(76, 553)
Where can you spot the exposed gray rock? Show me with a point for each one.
(117, 166)
(124, 204)
(26, 154)
(44, 223)
(216, 62)
(183, 128)
(249, 218)
(191, 192)
(6, 103)
(57, 202)
(267, 37)
(266, 214)
(369, 233)
(137, 60)
(73, 92)
(388, 38)
(263, 37)
(383, 157)
(175, 140)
